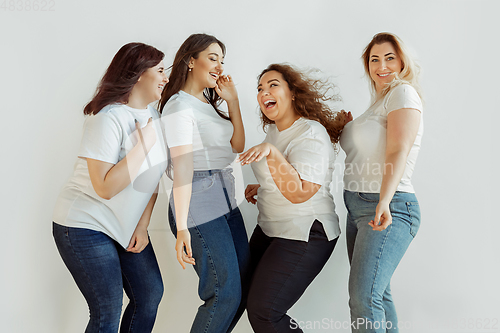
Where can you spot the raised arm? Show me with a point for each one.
(110, 179)
(226, 90)
(402, 129)
(286, 178)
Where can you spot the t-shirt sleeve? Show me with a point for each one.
(403, 96)
(178, 120)
(102, 138)
(309, 155)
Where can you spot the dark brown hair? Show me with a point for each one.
(191, 48)
(128, 64)
(309, 98)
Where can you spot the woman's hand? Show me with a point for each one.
(139, 240)
(146, 136)
(184, 241)
(226, 89)
(382, 218)
(109, 179)
(251, 192)
(256, 153)
(343, 118)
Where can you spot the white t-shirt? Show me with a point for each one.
(307, 147)
(364, 142)
(187, 120)
(107, 137)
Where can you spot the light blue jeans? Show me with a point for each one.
(374, 256)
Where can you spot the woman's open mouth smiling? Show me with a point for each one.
(270, 103)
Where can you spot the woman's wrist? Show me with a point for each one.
(272, 150)
(384, 202)
(142, 227)
(143, 146)
(233, 104)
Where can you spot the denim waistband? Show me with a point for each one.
(207, 173)
(398, 196)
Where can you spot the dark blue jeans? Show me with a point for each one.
(102, 269)
(220, 247)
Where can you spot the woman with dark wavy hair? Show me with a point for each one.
(103, 212)
(203, 213)
(297, 225)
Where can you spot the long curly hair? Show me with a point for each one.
(310, 98)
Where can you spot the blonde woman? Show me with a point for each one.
(383, 213)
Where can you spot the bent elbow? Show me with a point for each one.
(106, 195)
(239, 148)
(297, 199)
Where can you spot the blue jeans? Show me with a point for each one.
(374, 256)
(101, 269)
(220, 247)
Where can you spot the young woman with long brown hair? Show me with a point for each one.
(203, 213)
(103, 211)
(297, 225)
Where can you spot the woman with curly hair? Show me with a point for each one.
(297, 225)
(381, 149)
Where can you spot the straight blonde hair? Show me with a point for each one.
(409, 74)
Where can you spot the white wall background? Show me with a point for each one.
(51, 62)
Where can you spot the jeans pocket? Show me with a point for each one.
(202, 184)
(229, 183)
(229, 175)
(369, 197)
(414, 212)
(60, 232)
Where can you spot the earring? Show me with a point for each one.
(190, 69)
